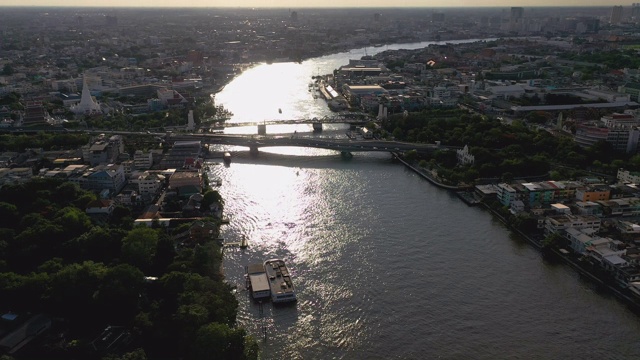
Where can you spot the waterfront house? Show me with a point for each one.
(621, 207)
(593, 193)
(580, 239)
(507, 194)
(607, 253)
(516, 207)
(587, 208)
(558, 224)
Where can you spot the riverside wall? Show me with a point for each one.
(629, 300)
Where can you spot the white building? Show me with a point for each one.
(143, 160)
(560, 223)
(628, 177)
(149, 184)
(506, 91)
(87, 104)
(506, 194)
(464, 156)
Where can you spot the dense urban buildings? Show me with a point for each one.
(129, 82)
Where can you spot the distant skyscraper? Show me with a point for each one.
(616, 15)
(517, 13)
(294, 16)
(635, 10)
(515, 21)
(376, 17)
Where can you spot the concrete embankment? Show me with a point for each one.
(632, 302)
(427, 176)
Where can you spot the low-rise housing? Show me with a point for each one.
(621, 207)
(557, 224)
(593, 193)
(628, 177)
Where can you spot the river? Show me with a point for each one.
(386, 265)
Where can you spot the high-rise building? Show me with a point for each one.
(635, 11)
(517, 12)
(616, 15)
(515, 21)
(437, 17)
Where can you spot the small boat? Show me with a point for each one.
(226, 157)
(280, 283)
(280, 110)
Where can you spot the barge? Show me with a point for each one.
(282, 289)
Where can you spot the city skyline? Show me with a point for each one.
(309, 4)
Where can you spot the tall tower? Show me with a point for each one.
(616, 15)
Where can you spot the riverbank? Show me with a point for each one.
(428, 176)
(630, 300)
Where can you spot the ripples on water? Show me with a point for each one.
(387, 266)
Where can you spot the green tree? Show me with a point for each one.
(139, 246)
(9, 215)
(119, 293)
(73, 288)
(552, 241)
(73, 220)
(210, 197)
(218, 339)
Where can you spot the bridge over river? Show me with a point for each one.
(351, 118)
(344, 145)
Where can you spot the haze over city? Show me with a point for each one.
(310, 4)
(397, 180)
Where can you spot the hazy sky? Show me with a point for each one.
(313, 3)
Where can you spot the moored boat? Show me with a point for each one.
(226, 157)
(282, 289)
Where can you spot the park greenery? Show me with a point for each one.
(502, 152)
(612, 59)
(56, 260)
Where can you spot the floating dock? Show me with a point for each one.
(256, 280)
(243, 243)
(468, 197)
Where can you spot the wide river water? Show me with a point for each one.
(387, 266)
